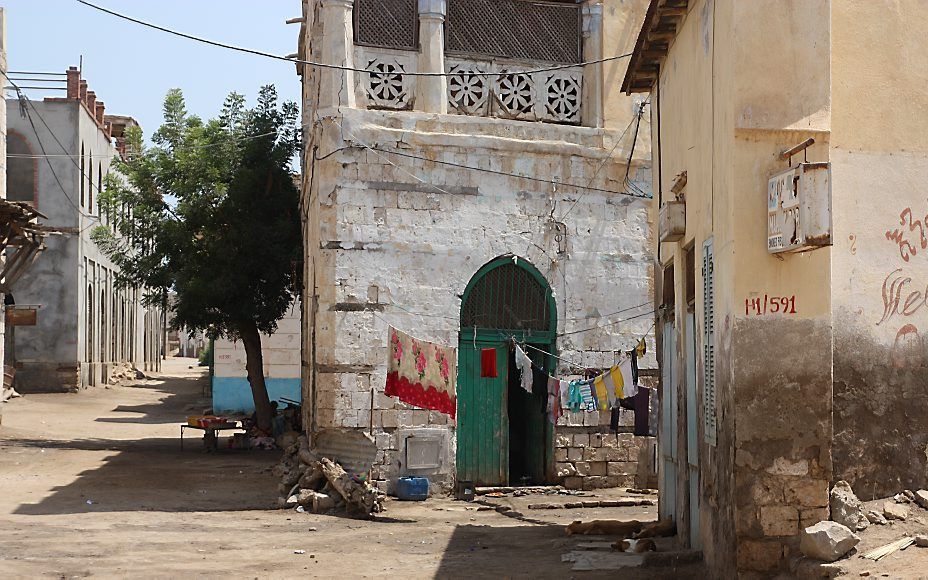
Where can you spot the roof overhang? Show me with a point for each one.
(661, 24)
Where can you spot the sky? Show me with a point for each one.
(131, 67)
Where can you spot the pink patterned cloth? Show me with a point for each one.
(421, 373)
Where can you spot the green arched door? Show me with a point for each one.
(503, 435)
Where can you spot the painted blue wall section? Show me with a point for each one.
(233, 394)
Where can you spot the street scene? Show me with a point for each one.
(463, 289)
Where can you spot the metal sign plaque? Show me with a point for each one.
(799, 208)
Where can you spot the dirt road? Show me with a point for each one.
(95, 484)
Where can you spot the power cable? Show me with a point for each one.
(573, 332)
(336, 66)
(605, 160)
(504, 173)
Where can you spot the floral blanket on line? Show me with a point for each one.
(421, 373)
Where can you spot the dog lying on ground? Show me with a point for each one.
(660, 528)
(605, 528)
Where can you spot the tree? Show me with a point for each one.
(211, 211)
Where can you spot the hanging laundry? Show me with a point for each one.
(588, 401)
(575, 398)
(614, 384)
(563, 389)
(614, 419)
(554, 400)
(642, 411)
(652, 415)
(629, 387)
(524, 364)
(421, 373)
(603, 398)
(488, 363)
(642, 348)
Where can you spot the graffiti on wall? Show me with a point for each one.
(910, 236)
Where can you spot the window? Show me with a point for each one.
(387, 23)
(20, 170)
(89, 176)
(83, 196)
(99, 185)
(522, 29)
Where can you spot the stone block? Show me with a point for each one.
(436, 418)
(597, 482)
(583, 468)
(589, 454)
(827, 541)
(573, 482)
(562, 440)
(895, 511)
(575, 454)
(779, 520)
(807, 493)
(565, 469)
(388, 419)
(599, 468)
(616, 469)
(759, 556)
(811, 516)
(404, 417)
(596, 440)
(560, 454)
(385, 441)
(581, 440)
(420, 417)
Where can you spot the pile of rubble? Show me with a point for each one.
(320, 485)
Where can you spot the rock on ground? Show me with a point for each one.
(846, 509)
(895, 511)
(827, 541)
(876, 517)
(921, 498)
(921, 541)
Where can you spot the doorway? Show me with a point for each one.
(504, 437)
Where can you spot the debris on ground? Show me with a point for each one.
(889, 548)
(895, 511)
(846, 508)
(921, 541)
(827, 541)
(320, 485)
(876, 517)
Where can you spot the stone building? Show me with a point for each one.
(59, 151)
(465, 197)
(786, 371)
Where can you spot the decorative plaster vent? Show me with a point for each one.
(550, 96)
(387, 87)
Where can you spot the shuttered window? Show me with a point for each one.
(387, 23)
(710, 420)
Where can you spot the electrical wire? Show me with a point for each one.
(335, 66)
(504, 173)
(573, 332)
(603, 163)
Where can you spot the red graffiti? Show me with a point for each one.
(908, 248)
(770, 305)
(895, 286)
(907, 348)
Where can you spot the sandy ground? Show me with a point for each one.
(95, 484)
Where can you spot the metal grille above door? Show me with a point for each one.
(548, 31)
(507, 297)
(386, 23)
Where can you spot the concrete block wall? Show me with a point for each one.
(281, 354)
(592, 460)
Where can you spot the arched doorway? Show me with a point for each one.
(503, 436)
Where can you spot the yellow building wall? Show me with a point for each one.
(880, 266)
(735, 90)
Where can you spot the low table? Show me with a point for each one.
(209, 433)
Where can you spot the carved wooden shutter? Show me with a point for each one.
(708, 342)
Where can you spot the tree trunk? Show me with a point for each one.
(254, 365)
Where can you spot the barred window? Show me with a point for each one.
(549, 31)
(386, 23)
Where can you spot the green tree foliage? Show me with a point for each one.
(229, 241)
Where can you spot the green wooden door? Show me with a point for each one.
(483, 425)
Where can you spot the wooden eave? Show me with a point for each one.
(660, 27)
